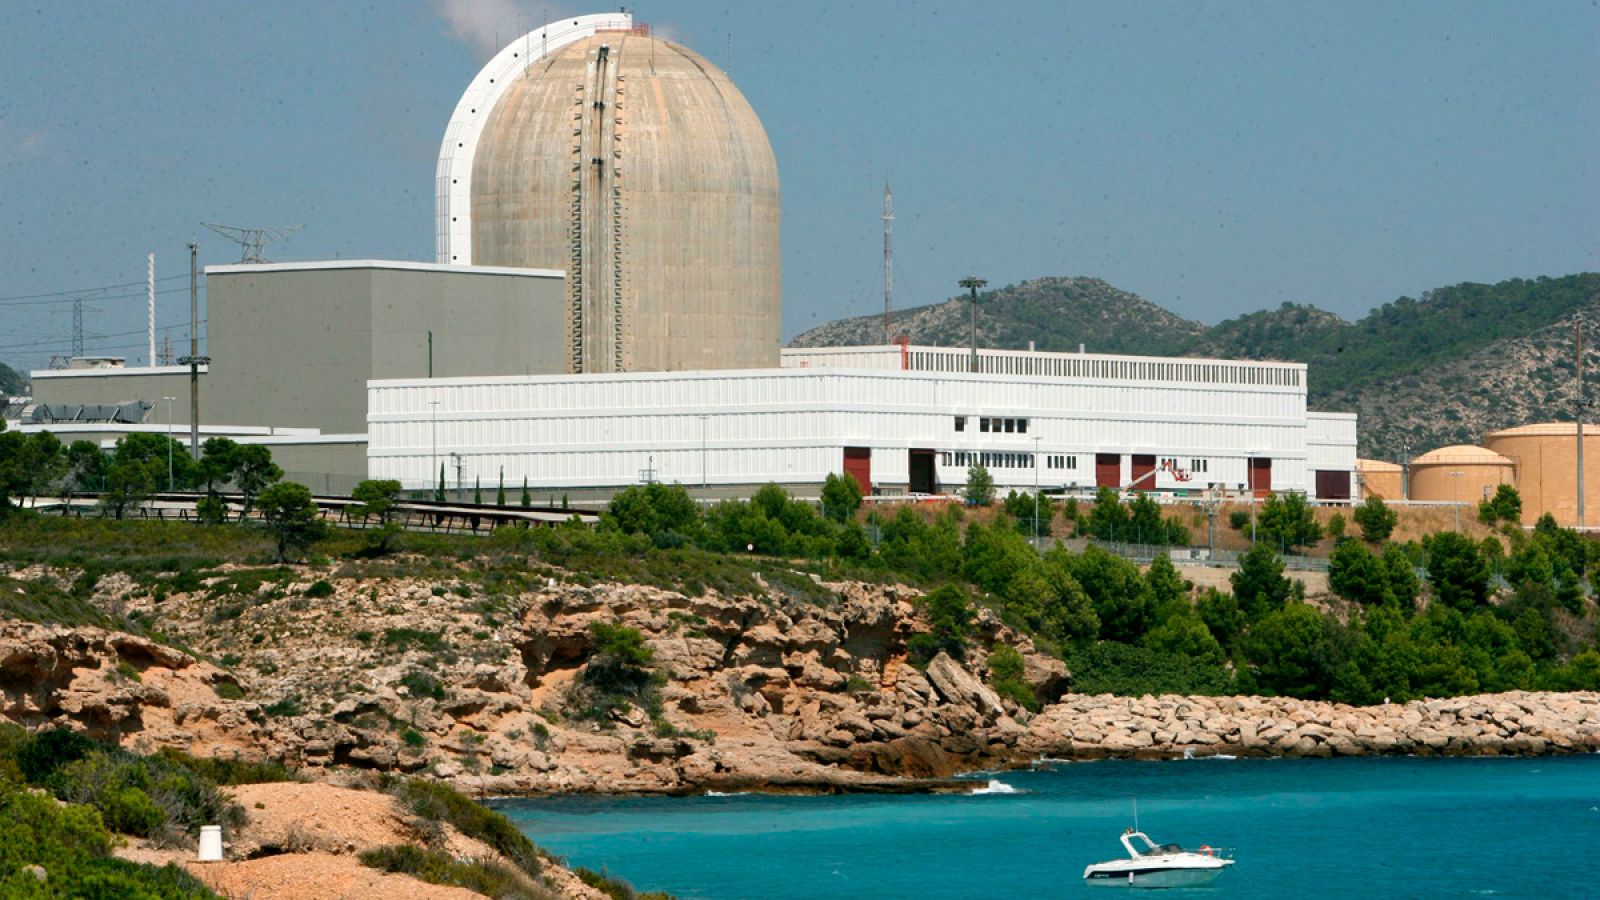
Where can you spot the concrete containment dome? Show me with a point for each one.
(637, 167)
(1546, 457)
(1460, 473)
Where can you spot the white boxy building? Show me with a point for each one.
(900, 419)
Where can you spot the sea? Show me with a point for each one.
(1360, 827)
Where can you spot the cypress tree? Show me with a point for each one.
(477, 490)
(527, 501)
(500, 492)
(439, 494)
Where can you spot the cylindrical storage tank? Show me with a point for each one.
(1379, 479)
(637, 167)
(1460, 473)
(1546, 459)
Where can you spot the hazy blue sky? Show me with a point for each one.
(1213, 157)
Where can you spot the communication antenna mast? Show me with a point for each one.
(253, 241)
(888, 260)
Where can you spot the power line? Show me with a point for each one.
(50, 343)
(86, 290)
(70, 299)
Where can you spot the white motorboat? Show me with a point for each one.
(1152, 865)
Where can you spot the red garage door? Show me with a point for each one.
(1333, 485)
(1107, 470)
(1144, 468)
(858, 465)
(1261, 476)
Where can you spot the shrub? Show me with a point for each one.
(1375, 519)
(1007, 679)
(422, 684)
(402, 638)
(227, 690)
(413, 738)
(438, 867)
(319, 589)
(438, 803)
(1239, 519)
(949, 613)
(614, 887)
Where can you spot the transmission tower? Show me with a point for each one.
(77, 327)
(253, 241)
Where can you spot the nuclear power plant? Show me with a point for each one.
(637, 167)
(604, 310)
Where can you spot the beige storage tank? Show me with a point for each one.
(1546, 460)
(1380, 479)
(637, 167)
(1460, 473)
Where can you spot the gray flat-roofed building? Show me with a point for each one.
(294, 344)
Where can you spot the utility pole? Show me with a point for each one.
(1036, 439)
(888, 261)
(169, 438)
(703, 481)
(972, 283)
(1579, 417)
(194, 359)
(433, 465)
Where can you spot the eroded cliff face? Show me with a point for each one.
(772, 691)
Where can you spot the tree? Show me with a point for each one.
(1288, 521)
(1375, 519)
(1146, 525)
(1108, 520)
(527, 498)
(1294, 652)
(618, 670)
(500, 492)
(438, 493)
(1119, 594)
(219, 457)
(1336, 526)
(253, 470)
(1023, 507)
(153, 451)
(1504, 506)
(1356, 574)
(980, 487)
(1259, 584)
(13, 479)
(86, 467)
(949, 613)
(1456, 571)
(290, 516)
(477, 490)
(841, 497)
(128, 484)
(1402, 573)
(652, 509)
(377, 498)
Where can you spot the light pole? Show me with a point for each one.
(703, 453)
(433, 461)
(972, 283)
(169, 441)
(455, 460)
(1036, 439)
(1455, 492)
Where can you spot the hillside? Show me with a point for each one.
(1055, 313)
(1422, 372)
(11, 381)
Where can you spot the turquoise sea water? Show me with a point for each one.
(1299, 828)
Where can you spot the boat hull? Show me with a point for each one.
(1152, 878)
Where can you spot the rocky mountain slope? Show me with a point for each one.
(1422, 373)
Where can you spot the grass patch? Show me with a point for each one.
(438, 803)
(405, 638)
(438, 867)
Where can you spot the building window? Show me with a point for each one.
(1011, 425)
(1022, 426)
(961, 423)
(983, 424)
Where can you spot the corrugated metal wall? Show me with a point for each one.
(737, 427)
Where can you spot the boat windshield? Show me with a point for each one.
(1163, 849)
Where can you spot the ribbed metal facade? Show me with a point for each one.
(794, 425)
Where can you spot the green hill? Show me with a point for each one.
(1421, 372)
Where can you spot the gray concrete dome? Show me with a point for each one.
(637, 167)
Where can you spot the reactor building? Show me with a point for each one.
(635, 166)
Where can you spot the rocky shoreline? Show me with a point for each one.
(773, 693)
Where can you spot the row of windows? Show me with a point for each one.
(995, 425)
(1195, 465)
(1060, 462)
(967, 459)
(1069, 366)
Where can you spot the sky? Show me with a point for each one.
(1213, 157)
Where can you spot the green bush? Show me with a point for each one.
(319, 589)
(616, 888)
(437, 802)
(1007, 679)
(1108, 667)
(438, 867)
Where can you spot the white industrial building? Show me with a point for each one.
(900, 419)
